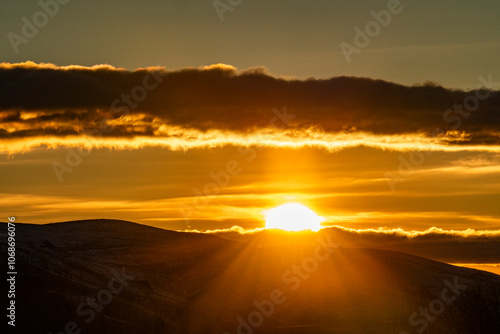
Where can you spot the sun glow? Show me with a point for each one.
(293, 217)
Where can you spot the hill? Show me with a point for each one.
(107, 276)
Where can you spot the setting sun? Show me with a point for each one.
(293, 217)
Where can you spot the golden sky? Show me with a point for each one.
(214, 147)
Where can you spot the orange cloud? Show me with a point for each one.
(217, 105)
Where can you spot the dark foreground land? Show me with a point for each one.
(105, 276)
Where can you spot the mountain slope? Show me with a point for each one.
(177, 282)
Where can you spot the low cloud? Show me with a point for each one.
(460, 246)
(452, 246)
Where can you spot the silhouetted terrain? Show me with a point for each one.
(444, 247)
(111, 276)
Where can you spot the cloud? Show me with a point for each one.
(452, 246)
(234, 229)
(467, 246)
(46, 102)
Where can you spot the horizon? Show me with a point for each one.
(395, 240)
(363, 239)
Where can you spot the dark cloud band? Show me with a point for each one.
(64, 100)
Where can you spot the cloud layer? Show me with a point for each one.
(197, 105)
(464, 246)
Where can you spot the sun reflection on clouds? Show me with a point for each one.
(178, 138)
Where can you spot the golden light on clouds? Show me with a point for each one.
(49, 66)
(208, 107)
(176, 138)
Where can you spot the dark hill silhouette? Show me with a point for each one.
(199, 283)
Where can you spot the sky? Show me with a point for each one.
(190, 115)
(450, 42)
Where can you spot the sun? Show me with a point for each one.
(293, 216)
